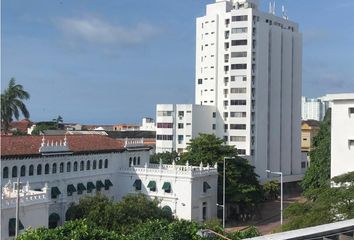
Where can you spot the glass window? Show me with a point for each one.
(75, 166)
(106, 162)
(238, 54)
(100, 164)
(238, 66)
(164, 113)
(238, 102)
(23, 171)
(237, 138)
(46, 169)
(138, 160)
(239, 42)
(239, 18)
(180, 113)
(239, 30)
(238, 90)
(88, 165)
(94, 164)
(130, 162)
(134, 161)
(180, 125)
(238, 126)
(14, 171)
(31, 170)
(238, 114)
(61, 167)
(39, 169)
(5, 172)
(54, 168)
(164, 137)
(68, 167)
(164, 125)
(82, 166)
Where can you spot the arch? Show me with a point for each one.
(68, 167)
(106, 163)
(94, 165)
(138, 160)
(31, 170)
(100, 164)
(53, 220)
(167, 210)
(61, 167)
(46, 169)
(23, 171)
(5, 172)
(130, 161)
(88, 165)
(82, 166)
(54, 168)
(134, 161)
(14, 171)
(75, 166)
(39, 169)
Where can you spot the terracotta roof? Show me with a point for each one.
(21, 125)
(29, 145)
(311, 123)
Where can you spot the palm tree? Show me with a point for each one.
(58, 120)
(12, 105)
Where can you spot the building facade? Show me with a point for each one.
(342, 133)
(177, 124)
(80, 165)
(249, 68)
(313, 108)
(309, 130)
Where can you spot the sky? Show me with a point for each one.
(112, 61)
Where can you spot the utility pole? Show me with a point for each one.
(17, 207)
(281, 194)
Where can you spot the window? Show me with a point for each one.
(238, 90)
(61, 167)
(46, 169)
(180, 113)
(100, 164)
(214, 126)
(239, 18)
(68, 167)
(75, 166)
(180, 139)
(94, 164)
(130, 162)
(214, 114)
(12, 226)
(54, 168)
(31, 170)
(180, 125)
(164, 113)
(238, 126)
(239, 30)
(206, 186)
(226, 103)
(238, 114)
(164, 125)
(303, 164)
(238, 78)
(188, 124)
(88, 165)
(200, 81)
(134, 161)
(137, 185)
(225, 138)
(39, 169)
(5, 172)
(351, 110)
(239, 42)
(23, 171)
(238, 54)
(167, 187)
(238, 102)
(241, 151)
(238, 66)
(226, 114)
(351, 143)
(164, 137)
(138, 160)
(237, 138)
(106, 162)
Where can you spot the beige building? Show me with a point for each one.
(309, 130)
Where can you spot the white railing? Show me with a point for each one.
(27, 199)
(133, 142)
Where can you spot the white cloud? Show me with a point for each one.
(95, 30)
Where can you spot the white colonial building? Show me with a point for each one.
(342, 133)
(80, 165)
(249, 69)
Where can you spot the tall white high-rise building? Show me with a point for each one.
(248, 66)
(313, 108)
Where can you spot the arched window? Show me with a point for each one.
(134, 161)
(138, 160)
(46, 169)
(23, 171)
(61, 167)
(130, 162)
(14, 171)
(75, 166)
(54, 168)
(31, 170)
(53, 220)
(68, 167)
(100, 164)
(94, 164)
(39, 169)
(82, 166)
(88, 165)
(106, 163)
(5, 172)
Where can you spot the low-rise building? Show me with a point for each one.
(77, 165)
(342, 133)
(309, 130)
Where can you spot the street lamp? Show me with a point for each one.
(223, 193)
(281, 194)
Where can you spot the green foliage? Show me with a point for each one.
(325, 205)
(271, 190)
(318, 174)
(122, 216)
(72, 230)
(44, 126)
(12, 104)
(18, 133)
(250, 232)
(166, 157)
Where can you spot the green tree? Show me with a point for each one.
(58, 120)
(40, 127)
(271, 190)
(166, 157)
(12, 104)
(243, 191)
(318, 174)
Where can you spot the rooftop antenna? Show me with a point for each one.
(270, 7)
(284, 12)
(273, 7)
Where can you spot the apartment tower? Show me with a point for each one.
(248, 66)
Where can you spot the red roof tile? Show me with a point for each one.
(21, 125)
(29, 145)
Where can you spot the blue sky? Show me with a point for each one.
(112, 61)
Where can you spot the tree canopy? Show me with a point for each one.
(12, 104)
(166, 157)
